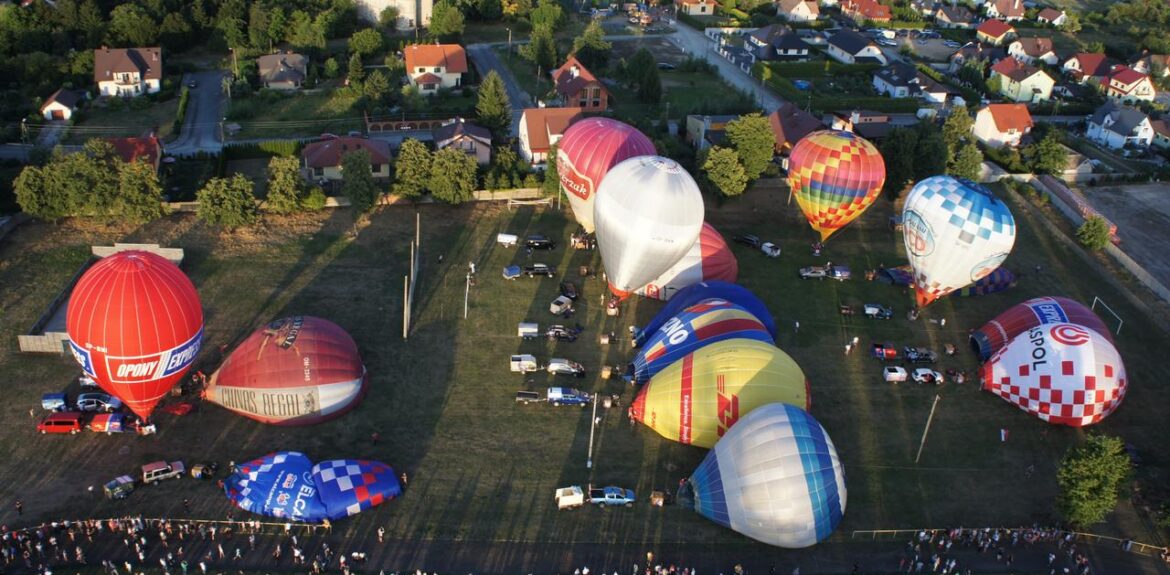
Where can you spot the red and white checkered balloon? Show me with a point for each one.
(1063, 373)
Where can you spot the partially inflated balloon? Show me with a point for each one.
(648, 213)
(1063, 373)
(135, 325)
(697, 326)
(700, 292)
(696, 399)
(775, 477)
(995, 334)
(585, 154)
(286, 484)
(835, 176)
(709, 259)
(956, 232)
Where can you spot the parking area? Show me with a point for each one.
(1142, 215)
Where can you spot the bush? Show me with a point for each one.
(265, 149)
(314, 200)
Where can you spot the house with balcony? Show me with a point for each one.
(577, 87)
(475, 141)
(866, 10)
(1117, 126)
(1006, 10)
(434, 66)
(127, 72)
(1020, 82)
(1128, 86)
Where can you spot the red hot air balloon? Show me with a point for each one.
(585, 154)
(709, 259)
(997, 333)
(135, 325)
(294, 371)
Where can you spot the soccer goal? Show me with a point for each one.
(1098, 301)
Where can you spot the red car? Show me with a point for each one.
(64, 422)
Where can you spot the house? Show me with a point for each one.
(760, 41)
(790, 47)
(1032, 50)
(975, 52)
(862, 10)
(1118, 126)
(541, 128)
(1052, 16)
(1156, 65)
(147, 149)
(954, 16)
(322, 160)
(798, 10)
(868, 124)
(696, 7)
(286, 71)
(849, 47)
(411, 13)
(898, 80)
(704, 131)
(1006, 10)
(999, 125)
(933, 92)
(790, 124)
(127, 71)
(434, 66)
(1127, 85)
(1020, 82)
(1086, 67)
(60, 105)
(1161, 134)
(476, 141)
(1077, 167)
(995, 32)
(577, 86)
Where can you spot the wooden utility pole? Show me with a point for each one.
(929, 419)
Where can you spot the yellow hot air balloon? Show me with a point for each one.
(699, 397)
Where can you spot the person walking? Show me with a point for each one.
(381, 534)
(796, 327)
(19, 507)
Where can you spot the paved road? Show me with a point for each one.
(483, 56)
(201, 129)
(695, 43)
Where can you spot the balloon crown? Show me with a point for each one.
(664, 164)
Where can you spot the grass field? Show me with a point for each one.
(283, 115)
(105, 122)
(483, 468)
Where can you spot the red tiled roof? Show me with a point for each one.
(1092, 64)
(867, 9)
(1126, 75)
(427, 78)
(995, 28)
(1012, 8)
(569, 84)
(1035, 47)
(1010, 117)
(1049, 14)
(109, 61)
(542, 122)
(328, 153)
(1014, 69)
(449, 56)
(790, 124)
(1161, 128)
(138, 149)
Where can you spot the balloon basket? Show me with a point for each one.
(606, 372)
(612, 311)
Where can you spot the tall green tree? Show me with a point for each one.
(723, 170)
(358, 180)
(388, 17)
(591, 47)
(1048, 156)
(641, 72)
(366, 42)
(412, 169)
(452, 176)
(286, 187)
(139, 198)
(929, 159)
(957, 129)
(753, 141)
(1094, 233)
(376, 87)
(541, 49)
(38, 195)
(547, 13)
(132, 25)
(446, 21)
(898, 151)
(356, 72)
(551, 186)
(967, 163)
(492, 108)
(1090, 477)
(228, 202)
(259, 21)
(489, 10)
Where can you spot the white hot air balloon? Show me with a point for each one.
(956, 232)
(774, 477)
(648, 214)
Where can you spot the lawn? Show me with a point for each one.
(184, 177)
(831, 86)
(299, 114)
(683, 93)
(482, 468)
(139, 118)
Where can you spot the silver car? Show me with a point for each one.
(98, 402)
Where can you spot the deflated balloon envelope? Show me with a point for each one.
(697, 326)
(709, 259)
(995, 334)
(286, 484)
(699, 292)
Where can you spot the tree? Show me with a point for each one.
(452, 176)
(131, 25)
(489, 10)
(547, 13)
(39, 197)
(331, 68)
(366, 42)
(753, 141)
(228, 202)
(1048, 156)
(1094, 233)
(286, 187)
(551, 186)
(724, 171)
(514, 9)
(1072, 22)
(139, 197)
(967, 163)
(956, 129)
(898, 151)
(358, 180)
(642, 72)
(492, 107)
(541, 49)
(929, 159)
(388, 17)
(376, 87)
(356, 72)
(1089, 478)
(259, 20)
(412, 169)
(591, 48)
(446, 21)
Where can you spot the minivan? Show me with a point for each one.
(65, 422)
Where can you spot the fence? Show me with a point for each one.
(1146, 549)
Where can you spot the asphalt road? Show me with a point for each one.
(485, 60)
(201, 128)
(694, 42)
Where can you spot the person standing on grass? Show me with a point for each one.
(381, 534)
(19, 507)
(796, 327)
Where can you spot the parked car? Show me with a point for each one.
(560, 305)
(839, 273)
(927, 375)
(569, 289)
(920, 355)
(524, 363)
(570, 497)
(98, 402)
(157, 471)
(119, 487)
(666, 66)
(54, 401)
(540, 270)
(561, 366)
(539, 242)
(770, 249)
(748, 240)
(884, 352)
(61, 422)
(527, 397)
(193, 84)
(894, 374)
(561, 333)
(559, 396)
(878, 311)
(612, 495)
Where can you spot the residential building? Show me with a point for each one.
(1161, 134)
(434, 66)
(411, 13)
(1156, 65)
(760, 41)
(541, 128)
(1077, 167)
(696, 7)
(1020, 82)
(476, 141)
(798, 10)
(1052, 16)
(147, 149)
(849, 47)
(576, 86)
(1118, 126)
(1032, 50)
(321, 161)
(862, 10)
(1127, 85)
(127, 71)
(789, 124)
(1086, 67)
(60, 105)
(954, 16)
(999, 125)
(283, 71)
(898, 80)
(995, 32)
(704, 131)
(868, 124)
(790, 47)
(1006, 10)
(976, 52)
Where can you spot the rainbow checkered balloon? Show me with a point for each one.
(835, 175)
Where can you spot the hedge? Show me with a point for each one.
(184, 96)
(264, 149)
(818, 69)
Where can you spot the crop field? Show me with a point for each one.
(482, 468)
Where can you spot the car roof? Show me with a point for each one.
(154, 465)
(67, 415)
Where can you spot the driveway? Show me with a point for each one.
(483, 56)
(201, 127)
(694, 42)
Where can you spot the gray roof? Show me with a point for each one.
(957, 14)
(1125, 119)
(288, 67)
(790, 41)
(769, 33)
(67, 98)
(462, 127)
(898, 74)
(849, 41)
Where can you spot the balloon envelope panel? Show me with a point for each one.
(585, 154)
(694, 294)
(696, 399)
(1062, 373)
(997, 281)
(709, 259)
(835, 175)
(775, 477)
(995, 334)
(286, 484)
(697, 326)
(135, 325)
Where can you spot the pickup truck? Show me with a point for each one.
(570, 497)
(610, 496)
(559, 396)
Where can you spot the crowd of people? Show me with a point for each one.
(930, 551)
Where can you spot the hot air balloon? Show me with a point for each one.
(709, 259)
(995, 334)
(648, 213)
(775, 477)
(1063, 373)
(835, 176)
(706, 290)
(701, 324)
(135, 325)
(994, 282)
(585, 154)
(298, 370)
(696, 399)
(286, 484)
(956, 232)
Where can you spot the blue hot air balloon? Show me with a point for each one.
(774, 477)
(706, 322)
(286, 484)
(696, 293)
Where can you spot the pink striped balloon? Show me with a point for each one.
(585, 154)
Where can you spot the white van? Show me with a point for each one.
(524, 363)
(528, 330)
